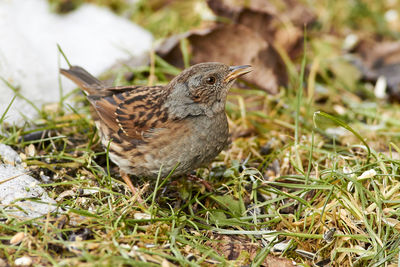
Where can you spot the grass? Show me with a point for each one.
(316, 172)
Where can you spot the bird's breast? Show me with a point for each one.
(186, 145)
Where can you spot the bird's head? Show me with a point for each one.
(202, 88)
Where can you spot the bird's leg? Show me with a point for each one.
(201, 181)
(133, 189)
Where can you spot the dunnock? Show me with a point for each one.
(152, 129)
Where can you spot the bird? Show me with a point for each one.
(155, 130)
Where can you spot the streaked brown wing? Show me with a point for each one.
(131, 111)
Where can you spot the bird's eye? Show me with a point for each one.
(210, 80)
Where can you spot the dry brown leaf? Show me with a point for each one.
(257, 27)
(279, 25)
(292, 10)
(232, 8)
(381, 59)
(236, 45)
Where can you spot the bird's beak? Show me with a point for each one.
(237, 71)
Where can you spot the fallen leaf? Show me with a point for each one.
(380, 59)
(279, 25)
(256, 28)
(292, 10)
(235, 45)
(232, 8)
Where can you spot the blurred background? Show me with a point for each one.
(348, 45)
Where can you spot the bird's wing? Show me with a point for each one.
(131, 111)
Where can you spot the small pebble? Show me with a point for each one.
(350, 42)
(30, 151)
(380, 87)
(266, 149)
(329, 235)
(23, 261)
(17, 238)
(391, 15)
(142, 216)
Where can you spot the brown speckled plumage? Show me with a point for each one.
(148, 128)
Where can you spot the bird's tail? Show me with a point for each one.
(83, 79)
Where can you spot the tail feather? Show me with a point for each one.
(83, 79)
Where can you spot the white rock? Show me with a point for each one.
(350, 41)
(141, 216)
(14, 184)
(9, 155)
(91, 36)
(380, 87)
(23, 261)
(391, 15)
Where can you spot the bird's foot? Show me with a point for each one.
(206, 184)
(135, 191)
